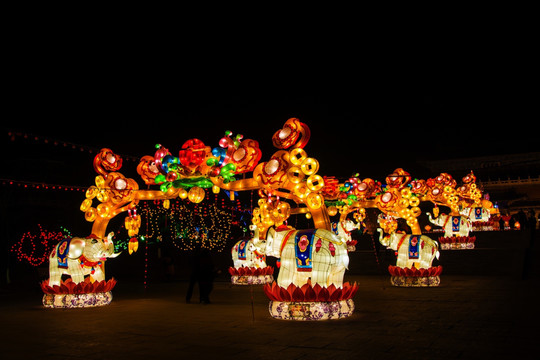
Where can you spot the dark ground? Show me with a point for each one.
(466, 317)
(471, 315)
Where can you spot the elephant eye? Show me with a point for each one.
(94, 241)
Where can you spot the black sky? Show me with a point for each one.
(370, 131)
(366, 117)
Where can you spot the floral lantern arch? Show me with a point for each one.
(310, 284)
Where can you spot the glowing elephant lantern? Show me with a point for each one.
(291, 174)
(480, 215)
(456, 231)
(415, 254)
(250, 262)
(79, 257)
(308, 257)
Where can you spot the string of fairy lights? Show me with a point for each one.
(35, 245)
(208, 224)
(184, 224)
(188, 225)
(39, 139)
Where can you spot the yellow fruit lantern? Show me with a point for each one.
(196, 194)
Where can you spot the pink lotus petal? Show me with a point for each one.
(354, 290)
(309, 294)
(317, 289)
(284, 295)
(291, 288)
(346, 292)
(268, 291)
(63, 289)
(297, 294)
(323, 295)
(336, 295)
(100, 286)
(331, 289)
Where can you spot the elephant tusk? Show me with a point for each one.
(114, 255)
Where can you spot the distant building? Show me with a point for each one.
(512, 181)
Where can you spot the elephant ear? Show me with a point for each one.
(76, 247)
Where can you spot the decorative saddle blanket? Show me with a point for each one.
(455, 223)
(478, 213)
(242, 245)
(414, 242)
(335, 228)
(62, 253)
(303, 245)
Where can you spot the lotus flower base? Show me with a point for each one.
(413, 277)
(309, 302)
(251, 276)
(69, 295)
(457, 242)
(313, 310)
(252, 279)
(71, 301)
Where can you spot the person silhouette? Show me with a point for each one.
(202, 273)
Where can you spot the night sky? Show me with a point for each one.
(369, 128)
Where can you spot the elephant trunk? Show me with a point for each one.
(382, 239)
(110, 252)
(436, 221)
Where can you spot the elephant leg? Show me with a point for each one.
(321, 268)
(99, 275)
(287, 270)
(55, 273)
(336, 276)
(236, 261)
(301, 278)
(402, 258)
(425, 257)
(75, 271)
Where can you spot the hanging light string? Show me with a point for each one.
(35, 245)
(13, 135)
(41, 185)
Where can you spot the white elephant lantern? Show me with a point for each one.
(83, 259)
(307, 257)
(415, 255)
(250, 262)
(456, 231)
(478, 213)
(479, 217)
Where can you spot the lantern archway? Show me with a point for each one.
(288, 183)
